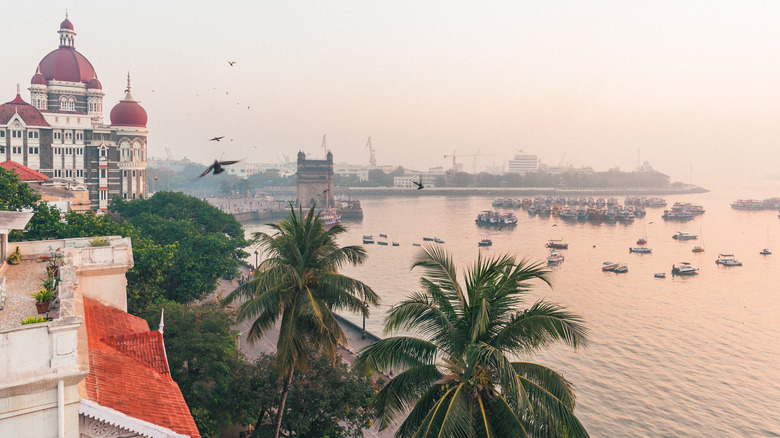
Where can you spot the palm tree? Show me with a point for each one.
(462, 377)
(299, 283)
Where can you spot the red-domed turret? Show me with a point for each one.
(66, 64)
(128, 112)
(38, 78)
(66, 24)
(95, 84)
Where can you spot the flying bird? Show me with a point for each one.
(419, 185)
(232, 63)
(217, 167)
(555, 225)
(155, 178)
(217, 138)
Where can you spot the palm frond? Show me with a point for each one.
(402, 391)
(396, 353)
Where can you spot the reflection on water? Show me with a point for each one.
(679, 356)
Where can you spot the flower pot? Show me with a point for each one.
(42, 307)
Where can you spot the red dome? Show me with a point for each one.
(66, 64)
(128, 113)
(38, 79)
(95, 83)
(66, 25)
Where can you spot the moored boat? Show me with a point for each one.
(641, 241)
(437, 240)
(554, 257)
(698, 248)
(367, 238)
(621, 269)
(557, 244)
(765, 251)
(428, 239)
(640, 250)
(728, 260)
(485, 242)
(329, 217)
(682, 235)
(609, 266)
(684, 268)
(660, 275)
(396, 244)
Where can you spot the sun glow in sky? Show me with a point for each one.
(692, 87)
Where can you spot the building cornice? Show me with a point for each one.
(113, 417)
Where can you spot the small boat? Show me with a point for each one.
(415, 244)
(368, 238)
(768, 249)
(609, 266)
(396, 244)
(728, 260)
(381, 242)
(437, 240)
(621, 269)
(765, 251)
(383, 235)
(641, 241)
(428, 239)
(557, 244)
(660, 275)
(640, 250)
(485, 242)
(554, 257)
(682, 235)
(684, 268)
(698, 248)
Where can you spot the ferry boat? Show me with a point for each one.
(640, 250)
(554, 257)
(329, 217)
(490, 217)
(728, 260)
(682, 235)
(485, 242)
(747, 204)
(557, 244)
(507, 219)
(677, 215)
(367, 238)
(568, 214)
(684, 268)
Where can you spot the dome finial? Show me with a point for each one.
(66, 14)
(18, 92)
(128, 82)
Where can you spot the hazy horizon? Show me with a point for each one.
(691, 86)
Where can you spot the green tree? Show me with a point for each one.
(459, 378)
(199, 242)
(14, 194)
(299, 282)
(202, 354)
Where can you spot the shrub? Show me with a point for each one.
(33, 320)
(99, 241)
(16, 257)
(43, 296)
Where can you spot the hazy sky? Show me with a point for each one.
(689, 84)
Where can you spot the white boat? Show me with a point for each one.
(396, 244)
(640, 250)
(437, 240)
(768, 249)
(682, 235)
(660, 275)
(609, 266)
(684, 268)
(728, 260)
(554, 257)
(367, 238)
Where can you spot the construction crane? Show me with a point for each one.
(474, 163)
(372, 158)
(170, 155)
(454, 156)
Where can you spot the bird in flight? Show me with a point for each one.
(419, 185)
(232, 63)
(555, 225)
(155, 178)
(217, 167)
(217, 138)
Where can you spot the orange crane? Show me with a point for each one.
(454, 156)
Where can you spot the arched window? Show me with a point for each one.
(67, 103)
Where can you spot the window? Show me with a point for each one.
(134, 174)
(32, 134)
(58, 135)
(17, 134)
(79, 136)
(80, 173)
(58, 173)
(2, 133)
(79, 151)
(69, 151)
(68, 135)
(124, 173)
(16, 150)
(67, 103)
(32, 151)
(2, 149)
(103, 152)
(102, 173)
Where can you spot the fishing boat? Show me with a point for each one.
(396, 244)
(554, 257)
(765, 251)
(368, 238)
(485, 242)
(621, 269)
(641, 241)
(382, 242)
(697, 248)
(682, 235)
(557, 244)
(728, 260)
(329, 217)
(428, 239)
(609, 266)
(437, 240)
(684, 268)
(660, 275)
(383, 235)
(415, 244)
(640, 250)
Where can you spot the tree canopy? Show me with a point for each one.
(14, 194)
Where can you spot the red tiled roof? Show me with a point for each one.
(30, 115)
(23, 172)
(66, 64)
(128, 370)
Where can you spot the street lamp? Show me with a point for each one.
(256, 253)
(364, 321)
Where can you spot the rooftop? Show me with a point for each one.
(22, 281)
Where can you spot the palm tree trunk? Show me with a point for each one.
(285, 390)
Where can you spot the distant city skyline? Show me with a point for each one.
(692, 86)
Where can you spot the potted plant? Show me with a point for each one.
(43, 299)
(15, 258)
(55, 260)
